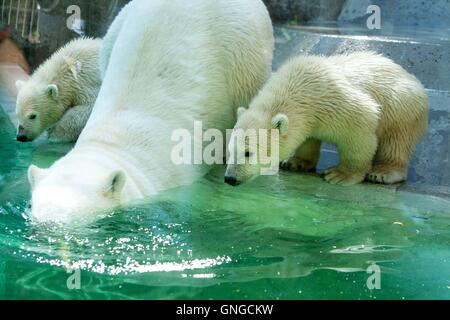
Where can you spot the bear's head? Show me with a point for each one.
(38, 108)
(66, 194)
(254, 146)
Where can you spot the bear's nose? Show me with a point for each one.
(231, 181)
(22, 138)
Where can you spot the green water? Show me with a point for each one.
(281, 237)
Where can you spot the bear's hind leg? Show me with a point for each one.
(356, 155)
(305, 158)
(391, 160)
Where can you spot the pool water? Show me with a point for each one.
(290, 236)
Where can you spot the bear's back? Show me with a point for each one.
(195, 58)
(83, 50)
(400, 95)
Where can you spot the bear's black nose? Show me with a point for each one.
(231, 181)
(22, 138)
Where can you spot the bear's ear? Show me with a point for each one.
(280, 122)
(35, 175)
(19, 84)
(115, 184)
(240, 111)
(52, 91)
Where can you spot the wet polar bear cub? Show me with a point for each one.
(59, 96)
(365, 104)
(165, 64)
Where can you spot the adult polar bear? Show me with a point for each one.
(169, 63)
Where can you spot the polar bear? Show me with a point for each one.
(170, 63)
(59, 96)
(365, 104)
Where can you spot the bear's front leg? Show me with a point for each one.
(356, 155)
(69, 128)
(305, 158)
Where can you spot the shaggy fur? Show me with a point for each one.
(59, 96)
(365, 104)
(169, 63)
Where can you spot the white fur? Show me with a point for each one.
(365, 104)
(172, 62)
(61, 93)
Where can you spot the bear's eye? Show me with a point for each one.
(248, 154)
(32, 117)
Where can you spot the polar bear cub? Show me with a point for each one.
(59, 96)
(365, 104)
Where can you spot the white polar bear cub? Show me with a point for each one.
(365, 104)
(59, 96)
(169, 63)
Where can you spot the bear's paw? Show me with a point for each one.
(386, 175)
(343, 177)
(298, 164)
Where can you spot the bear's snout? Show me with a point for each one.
(232, 181)
(21, 136)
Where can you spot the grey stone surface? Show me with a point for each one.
(428, 60)
(301, 11)
(397, 16)
(434, 14)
